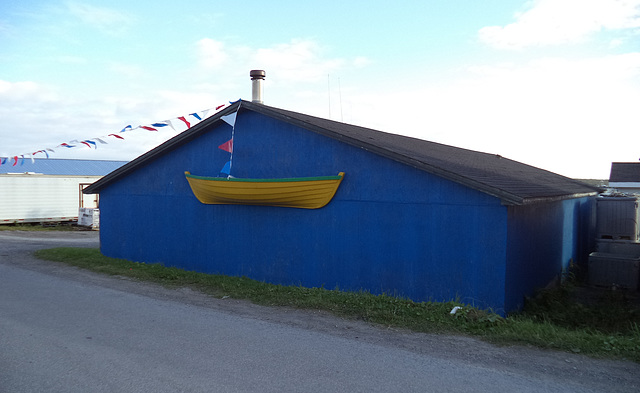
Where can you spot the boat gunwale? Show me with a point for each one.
(280, 180)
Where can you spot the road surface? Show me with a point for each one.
(63, 329)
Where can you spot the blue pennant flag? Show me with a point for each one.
(227, 168)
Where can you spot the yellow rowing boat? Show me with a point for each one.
(299, 192)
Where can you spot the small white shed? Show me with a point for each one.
(49, 189)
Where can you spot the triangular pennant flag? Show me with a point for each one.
(67, 145)
(101, 141)
(230, 119)
(220, 106)
(161, 124)
(117, 136)
(204, 113)
(227, 146)
(41, 151)
(148, 128)
(170, 125)
(88, 142)
(22, 160)
(127, 128)
(3, 160)
(226, 169)
(185, 121)
(15, 161)
(195, 115)
(33, 160)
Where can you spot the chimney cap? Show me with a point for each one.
(257, 74)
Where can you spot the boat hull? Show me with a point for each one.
(303, 193)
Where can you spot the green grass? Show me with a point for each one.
(603, 327)
(52, 226)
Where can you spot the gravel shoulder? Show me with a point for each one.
(16, 249)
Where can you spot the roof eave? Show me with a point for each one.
(531, 201)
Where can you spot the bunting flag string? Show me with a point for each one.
(228, 145)
(92, 143)
(185, 121)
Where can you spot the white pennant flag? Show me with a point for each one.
(230, 119)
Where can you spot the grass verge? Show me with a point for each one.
(554, 320)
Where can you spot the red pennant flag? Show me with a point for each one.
(227, 146)
(148, 128)
(15, 161)
(220, 106)
(117, 136)
(185, 121)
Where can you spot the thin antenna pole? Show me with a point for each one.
(329, 96)
(340, 96)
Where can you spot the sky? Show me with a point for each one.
(550, 83)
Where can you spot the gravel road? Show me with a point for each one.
(63, 329)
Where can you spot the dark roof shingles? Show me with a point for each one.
(625, 172)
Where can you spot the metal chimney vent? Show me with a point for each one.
(257, 76)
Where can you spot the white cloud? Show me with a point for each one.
(552, 22)
(573, 117)
(108, 20)
(294, 61)
(16, 91)
(298, 60)
(126, 69)
(71, 60)
(211, 53)
(34, 117)
(285, 63)
(361, 61)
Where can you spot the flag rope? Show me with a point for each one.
(189, 120)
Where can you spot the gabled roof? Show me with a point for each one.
(625, 172)
(64, 167)
(511, 181)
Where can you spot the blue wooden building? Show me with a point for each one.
(411, 218)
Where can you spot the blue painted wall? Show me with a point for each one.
(390, 228)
